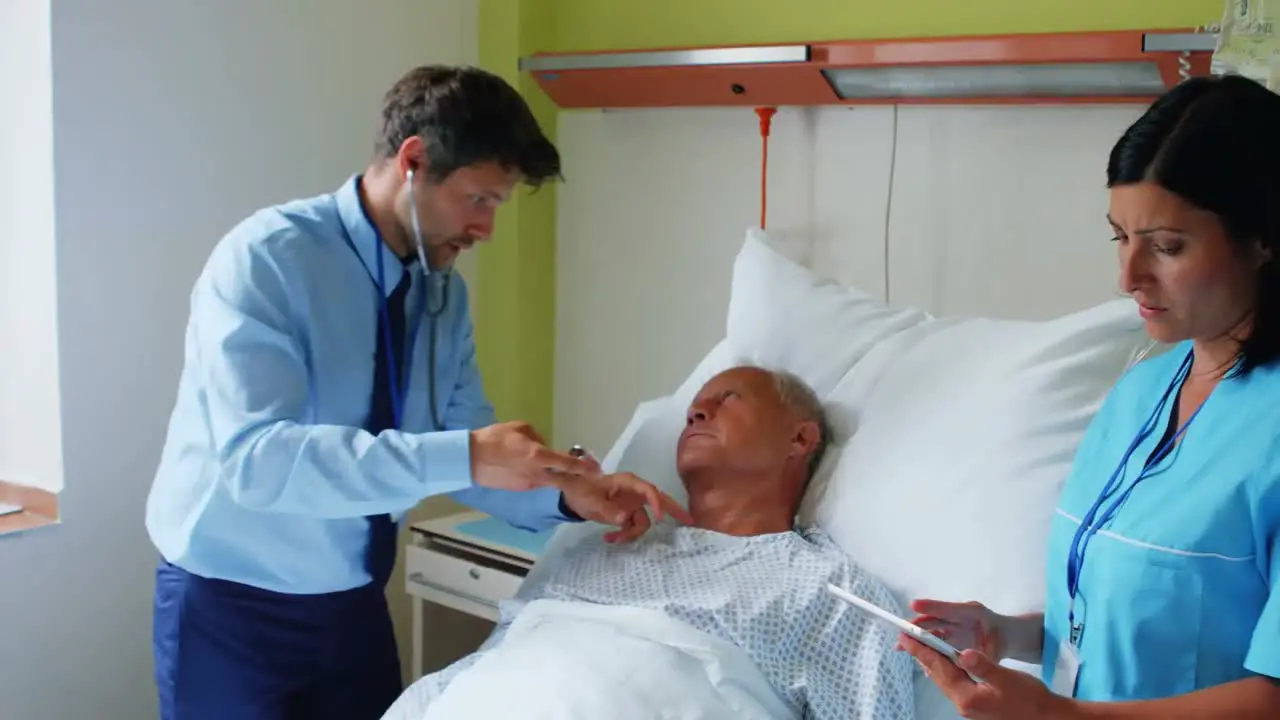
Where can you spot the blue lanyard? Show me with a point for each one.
(397, 388)
(1091, 524)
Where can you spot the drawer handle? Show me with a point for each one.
(420, 579)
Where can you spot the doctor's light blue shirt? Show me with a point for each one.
(266, 476)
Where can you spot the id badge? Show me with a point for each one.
(1066, 669)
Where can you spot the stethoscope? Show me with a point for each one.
(431, 313)
(1092, 523)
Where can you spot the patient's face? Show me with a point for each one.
(738, 422)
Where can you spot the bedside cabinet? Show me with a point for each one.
(468, 562)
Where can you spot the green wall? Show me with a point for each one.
(615, 24)
(515, 307)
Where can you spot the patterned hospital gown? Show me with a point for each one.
(765, 594)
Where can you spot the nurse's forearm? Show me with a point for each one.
(1023, 637)
(1252, 699)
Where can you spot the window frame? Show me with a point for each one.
(38, 508)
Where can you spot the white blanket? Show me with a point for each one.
(697, 623)
(568, 661)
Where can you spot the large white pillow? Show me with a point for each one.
(961, 433)
(785, 316)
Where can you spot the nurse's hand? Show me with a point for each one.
(622, 500)
(513, 456)
(999, 693)
(966, 625)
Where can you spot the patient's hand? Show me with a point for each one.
(620, 499)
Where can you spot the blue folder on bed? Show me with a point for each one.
(499, 532)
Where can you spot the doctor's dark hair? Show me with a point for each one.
(1215, 142)
(466, 116)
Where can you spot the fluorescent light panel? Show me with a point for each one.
(1066, 80)
(669, 58)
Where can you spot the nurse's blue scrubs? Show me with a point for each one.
(1180, 589)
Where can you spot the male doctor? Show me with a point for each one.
(330, 384)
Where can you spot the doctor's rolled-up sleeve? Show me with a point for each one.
(252, 369)
(469, 408)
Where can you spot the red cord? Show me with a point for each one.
(766, 121)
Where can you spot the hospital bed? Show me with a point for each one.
(953, 436)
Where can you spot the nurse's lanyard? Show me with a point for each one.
(1092, 523)
(398, 388)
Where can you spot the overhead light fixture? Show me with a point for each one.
(953, 82)
(1104, 67)
(668, 58)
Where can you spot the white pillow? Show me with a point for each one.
(784, 316)
(964, 433)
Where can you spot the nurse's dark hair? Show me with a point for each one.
(466, 116)
(1215, 142)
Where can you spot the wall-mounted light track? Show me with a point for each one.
(1089, 67)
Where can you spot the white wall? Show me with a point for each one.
(30, 427)
(962, 210)
(171, 122)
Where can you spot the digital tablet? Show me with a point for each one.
(909, 628)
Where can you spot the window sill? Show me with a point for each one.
(38, 508)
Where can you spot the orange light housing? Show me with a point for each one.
(1088, 67)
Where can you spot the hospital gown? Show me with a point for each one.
(765, 594)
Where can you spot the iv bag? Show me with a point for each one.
(1248, 44)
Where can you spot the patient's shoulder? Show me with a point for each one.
(826, 553)
(820, 542)
(847, 573)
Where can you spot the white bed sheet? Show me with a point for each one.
(762, 599)
(578, 661)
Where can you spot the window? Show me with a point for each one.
(30, 416)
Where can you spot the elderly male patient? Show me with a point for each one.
(728, 618)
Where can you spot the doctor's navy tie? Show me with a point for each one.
(381, 559)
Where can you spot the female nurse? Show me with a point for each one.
(1164, 558)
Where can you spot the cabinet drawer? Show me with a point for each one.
(436, 569)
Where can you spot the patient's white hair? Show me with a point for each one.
(803, 401)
